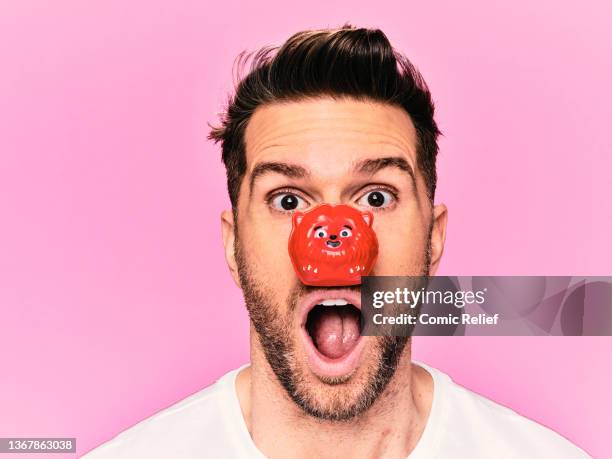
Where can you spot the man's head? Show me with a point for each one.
(334, 116)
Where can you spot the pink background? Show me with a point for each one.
(115, 300)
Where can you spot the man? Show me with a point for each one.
(339, 117)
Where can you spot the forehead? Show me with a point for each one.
(328, 133)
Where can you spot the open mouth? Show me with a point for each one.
(331, 330)
(334, 327)
(333, 244)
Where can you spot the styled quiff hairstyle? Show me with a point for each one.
(348, 62)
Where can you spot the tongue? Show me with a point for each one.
(336, 331)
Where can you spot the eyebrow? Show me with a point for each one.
(288, 170)
(366, 166)
(372, 166)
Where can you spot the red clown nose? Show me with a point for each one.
(333, 245)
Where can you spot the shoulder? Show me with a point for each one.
(484, 427)
(188, 428)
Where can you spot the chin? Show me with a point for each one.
(346, 392)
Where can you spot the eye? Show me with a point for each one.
(346, 233)
(377, 199)
(320, 233)
(287, 202)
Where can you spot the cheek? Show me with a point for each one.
(402, 249)
(266, 252)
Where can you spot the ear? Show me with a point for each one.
(297, 218)
(227, 230)
(368, 217)
(438, 236)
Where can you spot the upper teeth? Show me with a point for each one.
(334, 302)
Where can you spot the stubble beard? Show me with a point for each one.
(338, 399)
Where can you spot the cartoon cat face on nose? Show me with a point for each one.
(335, 233)
(332, 245)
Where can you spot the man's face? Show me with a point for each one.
(301, 154)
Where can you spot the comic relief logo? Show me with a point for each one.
(333, 245)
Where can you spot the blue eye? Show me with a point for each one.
(376, 199)
(346, 233)
(287, 202)
(320, 233)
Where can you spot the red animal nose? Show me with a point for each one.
(335, 263)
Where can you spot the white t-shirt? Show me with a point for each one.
(461, 424)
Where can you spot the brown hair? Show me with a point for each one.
(347, 62)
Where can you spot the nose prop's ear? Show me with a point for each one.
(297, 218)
(368, 217)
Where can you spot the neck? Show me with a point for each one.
(391, 427)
